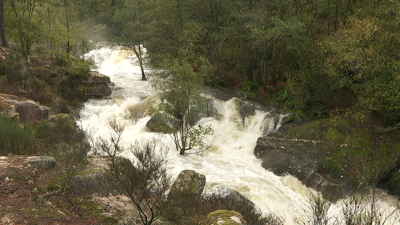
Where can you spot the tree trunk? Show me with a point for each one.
(2, 31)
(139, 55)
(68, 34)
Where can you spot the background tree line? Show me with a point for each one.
(311, 55)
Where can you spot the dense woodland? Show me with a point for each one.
(315, 57)
(330, 59)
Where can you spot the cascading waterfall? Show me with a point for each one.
(228, 164)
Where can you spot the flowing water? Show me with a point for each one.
(228, 164)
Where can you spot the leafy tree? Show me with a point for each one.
(348, 60)
(26, 23)
(181, 101)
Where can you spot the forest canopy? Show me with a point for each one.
(313, 56)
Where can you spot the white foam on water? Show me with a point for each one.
(229, 163)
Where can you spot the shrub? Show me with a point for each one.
(63, 130)
(187, 208)
(73, 159)
(13, 68)
(14, 138)
(145, 182)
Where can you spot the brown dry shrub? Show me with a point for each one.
(39, 90)
(41, 73)
(8, 88)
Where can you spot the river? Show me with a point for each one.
(228, 164)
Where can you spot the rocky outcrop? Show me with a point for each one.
(26, 109)
(225, 217)
(304, 159)
(41, 162)
(97, 85)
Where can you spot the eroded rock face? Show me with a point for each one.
(225, 217)
(27, 109)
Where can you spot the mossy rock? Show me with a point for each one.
(225, 217)
(189, 181)
(308, 131)
(288, 119)
(332, 134)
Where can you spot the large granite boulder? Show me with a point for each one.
(185, 193)
(41, 162)
(92, 182)
(97, 85)
(97, 78)
(27, 109)
(225, 217)
(306, 159)
(162, 123)
(188, 181)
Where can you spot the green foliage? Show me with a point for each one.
(184, 207)
(64, 130)
(73, 159)
(347, 59)
(181, 101)
(13, 68)
(248, 86)
(144, 180)
(67, 143)
(14, 138)
(24, 23)
(328, 163)
(68, 75)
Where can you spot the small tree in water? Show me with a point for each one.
(182, 106)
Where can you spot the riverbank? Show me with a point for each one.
(239, 125)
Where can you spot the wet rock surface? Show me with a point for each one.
(303, 158)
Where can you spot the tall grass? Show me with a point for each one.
(14, 138)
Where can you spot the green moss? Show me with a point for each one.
(17, 177)
(109, 220)
(309, 131)
(52, 187)
(332, 134)
(360, 139)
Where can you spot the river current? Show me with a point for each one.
(228, 164)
